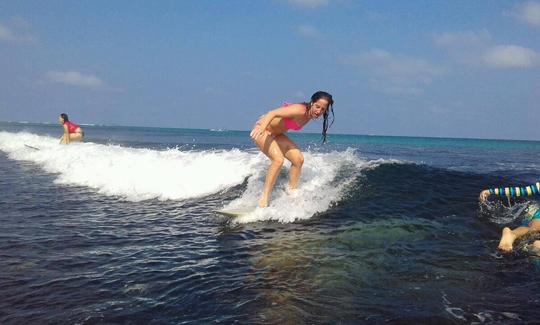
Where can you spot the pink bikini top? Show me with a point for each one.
(289, 123)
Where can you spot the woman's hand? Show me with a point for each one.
(257, 131)
(483, 196)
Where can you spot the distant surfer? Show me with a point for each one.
(72, 132)
(269, 133)
(532, 223)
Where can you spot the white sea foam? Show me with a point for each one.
(324, 181)
(139, 174)
(135, 174)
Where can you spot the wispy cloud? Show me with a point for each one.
(527, 12)
(15, 30)
(462, 39)
(394, 73)
(74, 78)
(511, 56)
(5, 33)
(476, 48)
(308, 31)
(309, 3)
(464, 47)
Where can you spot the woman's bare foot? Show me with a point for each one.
(292, 192)
(507, 240)
(263, 203)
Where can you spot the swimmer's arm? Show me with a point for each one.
(515, 191)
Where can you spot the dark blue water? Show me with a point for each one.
(403, 242)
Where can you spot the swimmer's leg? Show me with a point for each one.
(509, 236)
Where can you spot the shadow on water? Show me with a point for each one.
(404, 246)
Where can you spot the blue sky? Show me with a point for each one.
(455, 68)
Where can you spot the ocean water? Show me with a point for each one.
(121, 229)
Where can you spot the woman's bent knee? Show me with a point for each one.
(296, 159)
(277, 161)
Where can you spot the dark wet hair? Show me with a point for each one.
(64, 117)
(324, 95)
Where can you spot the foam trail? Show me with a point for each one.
(324, 181)
(134, 174)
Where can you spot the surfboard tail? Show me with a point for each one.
(235, 213)
(29, 146)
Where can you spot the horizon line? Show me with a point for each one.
(310, 133)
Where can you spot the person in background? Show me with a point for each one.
(270, 135)
(72, 132)
(531, 224)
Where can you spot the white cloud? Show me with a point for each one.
(5, 34)
(308, 31)
(396, 74)
(461, 39)
(74, 78)
(15, 30)
(477, 49)
(465, 47)
(309, 3)
(528, 12)
(510, 56)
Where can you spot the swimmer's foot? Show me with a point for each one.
(507, 240)
(533, 248)
(263, 203)
(292, 192)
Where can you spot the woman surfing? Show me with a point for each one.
(72, 131)
(269, 134)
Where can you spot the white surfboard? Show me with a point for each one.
(234, 213)
(29, 146)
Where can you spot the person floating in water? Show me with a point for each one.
(269, 134)
(532, 224)
(72, 132)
